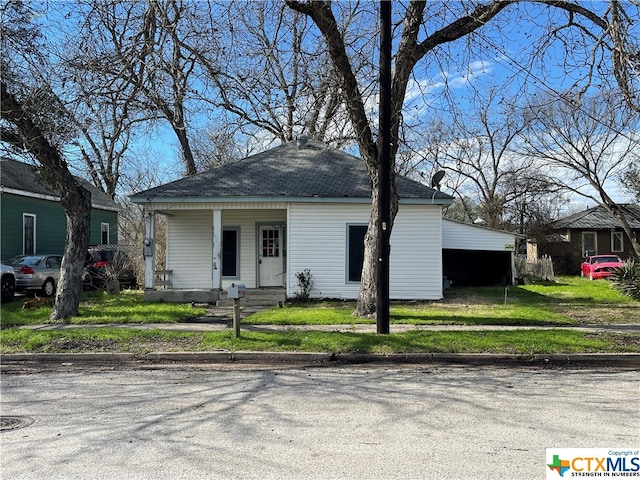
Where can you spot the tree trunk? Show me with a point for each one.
(77, 207)
(185, 148)
(366, 306)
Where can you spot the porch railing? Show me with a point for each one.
(163, 278)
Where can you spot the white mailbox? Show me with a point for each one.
(237, 290)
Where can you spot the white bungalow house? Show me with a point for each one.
(261, 220)
(264, 219)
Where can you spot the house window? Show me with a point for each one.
(617, 242)
(270, 243)
(355, 251)
(28, 234)
(589, 244)
(230, 249)
(104, 233)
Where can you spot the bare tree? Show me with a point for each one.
(588, 141)
(481, 159)
(631, 181)
(144, 174)
(273, 81)
(106, 113)
(23, 132)
(133, 50)
(35, 122)
(251, 67)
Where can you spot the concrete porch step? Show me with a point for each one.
(268, 297)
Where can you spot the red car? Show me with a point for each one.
(600, 266)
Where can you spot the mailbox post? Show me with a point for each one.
(236, 292)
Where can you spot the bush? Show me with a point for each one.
(305, 283)
(626, 279)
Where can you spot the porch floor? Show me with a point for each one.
(255, 296)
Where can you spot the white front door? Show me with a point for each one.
(270, 256)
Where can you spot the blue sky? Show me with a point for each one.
(501, 56)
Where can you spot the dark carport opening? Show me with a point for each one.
(477, 267)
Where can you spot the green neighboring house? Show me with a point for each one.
(32, 220)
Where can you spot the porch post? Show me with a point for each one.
(148, 249)
(216, 267)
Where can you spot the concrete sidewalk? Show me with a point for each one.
(216, 326)
(220, 318)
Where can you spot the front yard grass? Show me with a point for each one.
(144, 341)
(100, 308)
(571, 301)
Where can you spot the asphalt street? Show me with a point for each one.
(349, 422)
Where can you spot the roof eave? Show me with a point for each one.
(53, 198)
(267, 199)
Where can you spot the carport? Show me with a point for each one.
(474, 255)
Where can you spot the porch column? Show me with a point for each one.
(216, 254)
(148, 249)
(513, 268)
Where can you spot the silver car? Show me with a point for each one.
(8, 282)
(37, 272)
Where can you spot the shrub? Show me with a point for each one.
(305, 283)
(626, 279)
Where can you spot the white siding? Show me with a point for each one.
(416, 254)
(461, 236)
(189, 248)
(318, 241)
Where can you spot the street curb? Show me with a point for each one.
(625, 360)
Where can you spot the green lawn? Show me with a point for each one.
(570, 301)
(143, 341)
(98, 308)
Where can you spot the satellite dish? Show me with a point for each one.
(437, 178)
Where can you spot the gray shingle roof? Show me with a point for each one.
(312, 171)
(598, 218)
(23, 177)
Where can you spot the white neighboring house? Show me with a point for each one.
(261, 220)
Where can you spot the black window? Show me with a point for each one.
(230, 253)
(355, 252)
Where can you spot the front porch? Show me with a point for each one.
(266, 297)
(208, 249)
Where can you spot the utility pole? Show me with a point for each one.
(384, 168)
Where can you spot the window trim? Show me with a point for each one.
(102, 231)
(586, 253)
(613, 235)
(24, 236)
